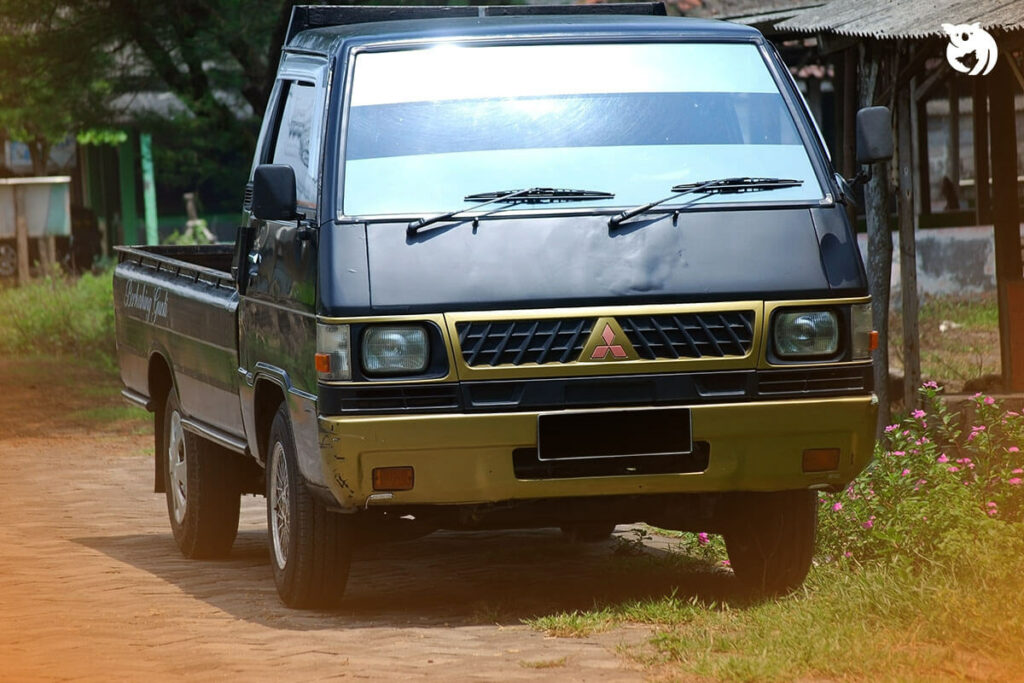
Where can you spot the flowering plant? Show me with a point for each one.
(933, 480)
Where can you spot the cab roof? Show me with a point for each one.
(334, 39)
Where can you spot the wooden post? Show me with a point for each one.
(1005, 214)
(982, 208)
(879, 242)
(908, 250)
(21, 234)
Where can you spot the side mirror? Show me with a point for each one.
(273, 193)
(874, 135)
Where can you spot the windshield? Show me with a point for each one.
(428, 127)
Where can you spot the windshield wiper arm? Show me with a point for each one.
(706, 188)
(532, 195)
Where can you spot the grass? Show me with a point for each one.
(959, 339)
(874, 622)
(61, 316)
(544, 663)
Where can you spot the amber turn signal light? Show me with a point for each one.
(392, 478)
(323, 362)
(873, 340)
(821, 459)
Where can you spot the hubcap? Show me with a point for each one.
(178, 468)
(279, 510)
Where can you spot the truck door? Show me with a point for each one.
(277, 325)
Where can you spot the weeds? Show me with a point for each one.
(61, 315)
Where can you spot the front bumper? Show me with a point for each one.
(468, 459)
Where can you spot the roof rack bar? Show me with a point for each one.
(320, 16)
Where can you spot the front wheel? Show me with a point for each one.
(202, 487)
(770, 539)
(310, 546)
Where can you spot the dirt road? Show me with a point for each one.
(92, 586)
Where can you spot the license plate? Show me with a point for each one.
(614, 433)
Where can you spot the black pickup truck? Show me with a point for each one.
(510, 267)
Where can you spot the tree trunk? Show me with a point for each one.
(876, 195)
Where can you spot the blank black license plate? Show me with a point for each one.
(614, 433)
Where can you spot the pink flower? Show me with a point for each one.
(930, 385)
(917, 414)
(837, 507)
(847, 554)
(725, 563)
(1013, 413)
(991, 504)
(953, 468)
(989, 400)
(992, 513)
(1018, 471)
(868, 524)
(702, 537)
(905, 472)
(922, 482)
(891, 428)
(1014, 482)
(898, 453)
(943, 458)
(1013, 449)
(977, 395)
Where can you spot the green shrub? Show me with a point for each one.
(60, 315)
(932, 485)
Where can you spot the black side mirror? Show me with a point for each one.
(273, 193)
(874, 135)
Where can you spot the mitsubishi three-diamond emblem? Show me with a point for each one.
(607, 343)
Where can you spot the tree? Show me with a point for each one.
(53, 79)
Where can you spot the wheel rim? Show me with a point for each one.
(178, 468)
(279, 510)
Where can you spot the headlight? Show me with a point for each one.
(806, 333)
(392, 350)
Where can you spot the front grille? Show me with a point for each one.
(690, 335)
(815, 381)
(517, 342)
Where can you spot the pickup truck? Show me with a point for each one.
(513, 267)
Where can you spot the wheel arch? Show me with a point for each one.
(268, 396)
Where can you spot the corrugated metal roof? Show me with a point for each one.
(892, 19)
(731, 10)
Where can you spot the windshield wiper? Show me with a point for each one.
(706, 188)
(532, 195)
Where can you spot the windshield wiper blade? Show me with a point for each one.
(706, 188)
(530, 195)
(537, 195)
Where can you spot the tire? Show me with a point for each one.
(202, 489)
(587, 532)
(310, 546)
(770, 540)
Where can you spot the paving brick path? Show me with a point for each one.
(93, 588)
